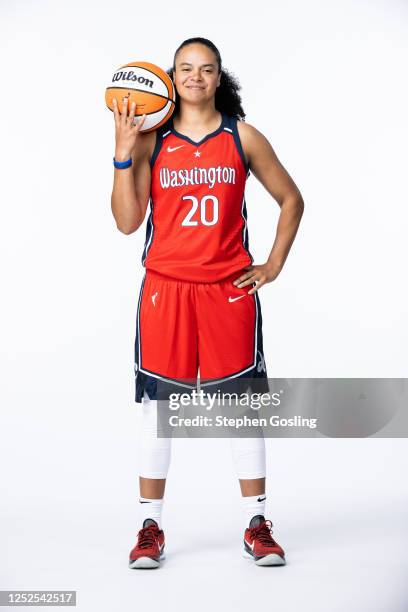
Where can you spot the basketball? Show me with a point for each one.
(149, 86)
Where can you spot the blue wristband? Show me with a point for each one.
(122, 165)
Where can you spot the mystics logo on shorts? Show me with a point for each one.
(261, 363)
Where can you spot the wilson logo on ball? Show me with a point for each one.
(131, 76)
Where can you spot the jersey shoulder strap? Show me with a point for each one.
(231, 125)
(161, 132)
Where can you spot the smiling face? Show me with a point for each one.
(196, 76)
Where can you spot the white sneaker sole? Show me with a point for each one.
(272, 559)
(145, 563)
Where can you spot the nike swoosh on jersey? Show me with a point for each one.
(171, 149)
(231, 299)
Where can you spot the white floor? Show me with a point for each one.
(339, 508)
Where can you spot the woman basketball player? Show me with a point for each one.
(198, 304)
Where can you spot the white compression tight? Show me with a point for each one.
(248, 454)
(154, 452)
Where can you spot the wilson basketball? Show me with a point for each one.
(149, 87)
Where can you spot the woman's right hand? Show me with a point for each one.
(126, 131)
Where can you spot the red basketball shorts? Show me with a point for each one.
(183, 327)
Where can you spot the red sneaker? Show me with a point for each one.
(149, 549)
(259, 544)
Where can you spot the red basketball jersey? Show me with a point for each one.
(197, 227)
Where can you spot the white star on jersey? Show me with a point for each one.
(197, 153)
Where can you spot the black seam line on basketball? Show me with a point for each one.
(151, 93)
(153, 113)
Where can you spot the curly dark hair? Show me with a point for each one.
(227, 98)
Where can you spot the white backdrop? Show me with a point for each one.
(325, 82)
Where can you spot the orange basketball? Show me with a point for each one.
(149, 87)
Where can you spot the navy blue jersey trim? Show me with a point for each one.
(156, 150)
(200, 142)
(161, 133)
(231, 126)
(237, 139)
(245, 235)
(149, 232)
(145, 383)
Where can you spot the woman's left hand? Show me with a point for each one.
(259, 274)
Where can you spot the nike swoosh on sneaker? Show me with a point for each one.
(231, 299)
(251, 546)
(171, 149)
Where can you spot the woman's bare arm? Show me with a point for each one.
(267, 168)
(131, 186)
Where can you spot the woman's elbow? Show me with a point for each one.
(127, 229)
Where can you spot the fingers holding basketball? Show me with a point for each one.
(124, 113)
(131, 119)
(126, 118)
(127, 130)
(132, 113)
(115, 111)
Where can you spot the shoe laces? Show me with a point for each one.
(147, 536)
(263, 533)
